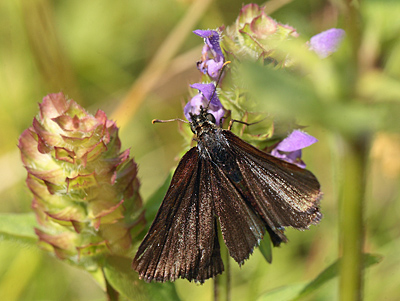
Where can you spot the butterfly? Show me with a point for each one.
(225, 183)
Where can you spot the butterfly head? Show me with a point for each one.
(201, 122)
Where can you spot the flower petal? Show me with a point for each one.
(289, 149)
(202, 100)
(212, 58)
(295, 141)
(211, 38)
(327, 42)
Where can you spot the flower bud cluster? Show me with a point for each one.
(86, 191)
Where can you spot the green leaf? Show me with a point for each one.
(333, 271)
(153, 203)
(300, 290)
(281, 93)
(391, 120)
(379, 86)
(120, 275)
(288, 95)
(284, 293)
(18, 227)
(265, 249)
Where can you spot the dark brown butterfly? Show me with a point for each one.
(223, 182)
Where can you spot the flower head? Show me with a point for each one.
(85, 189)
(289, 149)
(206, 91)
(255, 35)
(212, 58)
(327, 42)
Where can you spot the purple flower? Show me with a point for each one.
(213, 65)
(327, 42)
(202, 100)
(289, 149)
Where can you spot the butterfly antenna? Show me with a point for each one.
(218, 81)
(243, 122)
(169, 120)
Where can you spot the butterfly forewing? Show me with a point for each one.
(282, 193)
(182, 241)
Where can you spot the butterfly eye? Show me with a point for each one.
(193, 128)
(210, 117)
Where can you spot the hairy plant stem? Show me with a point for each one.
(354, 170)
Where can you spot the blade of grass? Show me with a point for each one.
(50, 57)
(152, 73)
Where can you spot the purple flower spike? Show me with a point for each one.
(289, 149)
(202, 99)
(327, 42)
(207, 65)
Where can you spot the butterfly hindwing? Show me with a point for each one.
(241, 228)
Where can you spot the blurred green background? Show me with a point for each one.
(135, 60)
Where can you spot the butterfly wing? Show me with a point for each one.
(281, 193)
(183, 241)
(241, 225)
(248, 190)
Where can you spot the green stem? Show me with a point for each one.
(228, 278)
(222, 283)
(354, 168)
(351, 218)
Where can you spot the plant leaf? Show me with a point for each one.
(286, 95)
(153, 203)
(333, 271)
(18, 227)
(125, 280)
(300, 290)
(265, 249)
